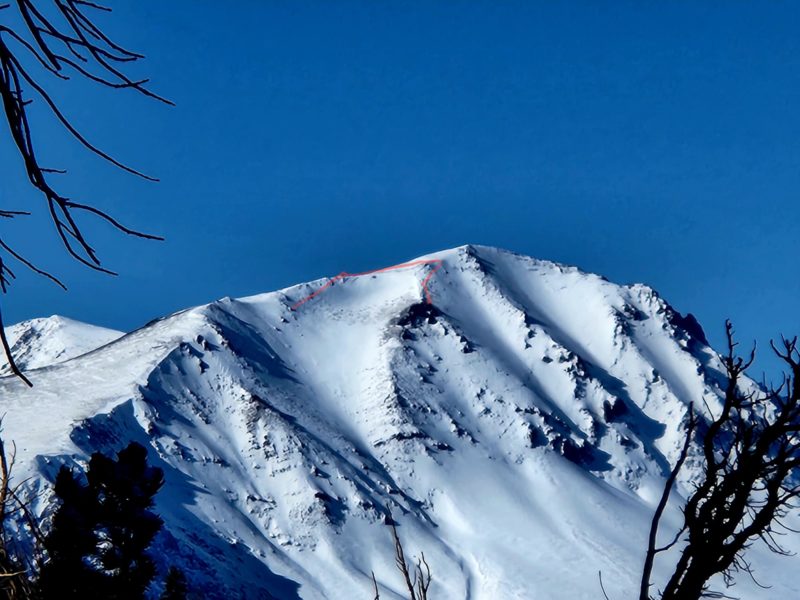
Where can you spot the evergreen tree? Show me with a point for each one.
(97, 544)
(175, 588)
(71, 539)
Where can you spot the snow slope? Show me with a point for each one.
(518, 429)
(41, 342)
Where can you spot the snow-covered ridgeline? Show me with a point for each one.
(518, 429)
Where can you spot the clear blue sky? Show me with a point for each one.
(647, 141)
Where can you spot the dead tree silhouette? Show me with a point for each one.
(63, 37)
(751, 458)
(416, 577)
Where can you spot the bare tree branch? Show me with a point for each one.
(14, 579)
(50, 41)
(417, 579)
(751, 459)
(644, 590)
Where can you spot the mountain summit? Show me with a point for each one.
(518, 427)
(41, 342)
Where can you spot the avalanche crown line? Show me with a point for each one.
(437, 262)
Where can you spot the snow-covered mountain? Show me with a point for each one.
(518, 429)
(41, 342)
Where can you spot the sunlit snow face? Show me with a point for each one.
(519, 423)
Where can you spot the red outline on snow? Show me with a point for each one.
(343, 275)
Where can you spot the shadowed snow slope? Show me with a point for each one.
(518, 429)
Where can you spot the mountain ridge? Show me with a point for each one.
(518, 428)
(41, 342)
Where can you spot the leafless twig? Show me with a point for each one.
(417, 578)
(63, 40)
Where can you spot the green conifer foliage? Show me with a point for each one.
(97, 546)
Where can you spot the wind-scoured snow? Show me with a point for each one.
(518, 429)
